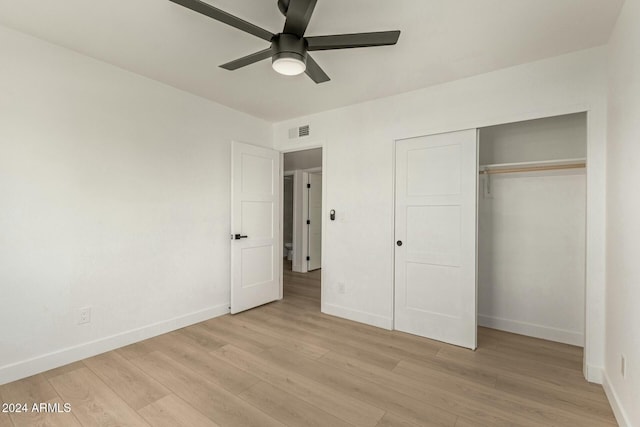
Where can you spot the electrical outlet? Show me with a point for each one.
(342, 288)
(623, 365)
(84, 315)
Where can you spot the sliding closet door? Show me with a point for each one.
(435, 256)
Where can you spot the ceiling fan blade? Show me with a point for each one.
(248, 60)
(222, 16)
(298, 16)
(315, 72)
(350, 41)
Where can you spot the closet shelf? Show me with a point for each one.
(543, 165)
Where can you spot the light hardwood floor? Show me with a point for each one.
(285, 363)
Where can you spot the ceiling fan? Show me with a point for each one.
(289, 49)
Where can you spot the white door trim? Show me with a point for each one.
(325, 209)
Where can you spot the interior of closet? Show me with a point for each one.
(531, 227)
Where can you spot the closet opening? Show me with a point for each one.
(532, 228)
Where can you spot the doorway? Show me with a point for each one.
(302, 186)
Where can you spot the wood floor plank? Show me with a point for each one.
(129, 382)
(326, 398)
(92, 401)
(5, 420)
(211, 400)
(171, 411)
(393, 345)
(501, 339)
(321, 340)
(392, 420)
(303, 290)
(208, 330)
(64, 369)
(207, 341)
(446, 370)
(518, 404)
(34, 389)
(579, 404)
(278, 339)
(189, 352)
(138, 349)
(291, 305)
(496, 362)
(454, 397)
(224, 328)
(362, 389)
(537, 356)
(465, 422)
(289, 409)
(475, 401)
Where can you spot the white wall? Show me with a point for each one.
(623, 213)
(561, 137)
(359, 147)
(115, 194)
(531, 255)
(304, 159)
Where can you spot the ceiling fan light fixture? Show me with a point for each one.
(288, 50)
(289, 63)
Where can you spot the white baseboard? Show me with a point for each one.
(614, 401)
(593, 374)
(532, 330)
(35, 365)
(358, 316)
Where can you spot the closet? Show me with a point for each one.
(531, 227)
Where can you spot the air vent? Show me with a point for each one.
(299, 132)
(303, 131)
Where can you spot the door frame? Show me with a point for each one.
(595, 219)
(323, 169)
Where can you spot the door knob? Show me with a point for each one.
(399, 243)
(238, 237)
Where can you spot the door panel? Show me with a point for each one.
(315, 218)
(435, 281)
(255, 195)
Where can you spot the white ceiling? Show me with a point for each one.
(441, 40)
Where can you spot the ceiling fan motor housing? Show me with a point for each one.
(288, 50)
(289, 46)
(283, 5)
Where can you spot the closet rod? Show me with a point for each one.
(533, 168)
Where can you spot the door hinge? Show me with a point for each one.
(308, 221)
(308, 258)
(308, 185)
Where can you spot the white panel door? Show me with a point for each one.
(314, 225)
(255, 221)
(435, 256)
